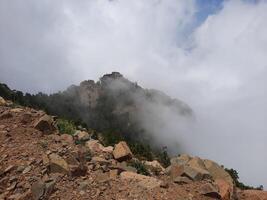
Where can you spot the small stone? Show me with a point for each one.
(9, 168)
(164, 184)
(27, 169)
(38, 190)
(12, 186)
(20, 169)
(83, 185)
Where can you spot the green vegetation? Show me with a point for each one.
(65, 126)
(101, 119)
(234, 174)
(140, 167)
(163, 157)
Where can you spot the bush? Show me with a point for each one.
(140, 167)
(141, 151)
(65, 126)
(163, 157)
(234, 174)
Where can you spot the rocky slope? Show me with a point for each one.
(37, 162)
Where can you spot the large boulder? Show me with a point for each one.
(197, 162)
(122, 152)
(175, 170)
(224, 189)
(195, 174)
(143, 181)
(218, 173)
(45, 124)
(181, 159)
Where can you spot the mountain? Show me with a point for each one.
(113, 104)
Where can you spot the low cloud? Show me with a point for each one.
(218, 67)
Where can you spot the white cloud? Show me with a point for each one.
(219, 68)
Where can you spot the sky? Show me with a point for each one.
(209, 53)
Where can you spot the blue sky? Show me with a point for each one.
(207, 7)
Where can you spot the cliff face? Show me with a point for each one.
(128, 95)
(116, 104)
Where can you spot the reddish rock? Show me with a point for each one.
(122, 152)
(45, 124)
(224, 189)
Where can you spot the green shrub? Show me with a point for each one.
(140, 167)
(141, 151)
(65, 126)
(163, 157)
(234, 174)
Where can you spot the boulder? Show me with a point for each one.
(108, 149)
(224, 189)
(195, 174)
(58, 165)
(143, 181)
(154, 166)
(45, 124)
(196, 162)
(122, 152)
(101, 161)
(217, 172)
(122, 166)
(42, 190)
(209, 190)
(94, 146)
(67, 138)
(83, 136)
(2, 101)
(176, 170)
(181, 160)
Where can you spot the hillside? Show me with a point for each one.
(41, 158)
(114, 106)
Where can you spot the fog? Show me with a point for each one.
(210, 55)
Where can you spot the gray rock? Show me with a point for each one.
(196, 174)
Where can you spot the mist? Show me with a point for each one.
(213, 57)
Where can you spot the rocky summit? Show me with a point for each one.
(38, 161)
